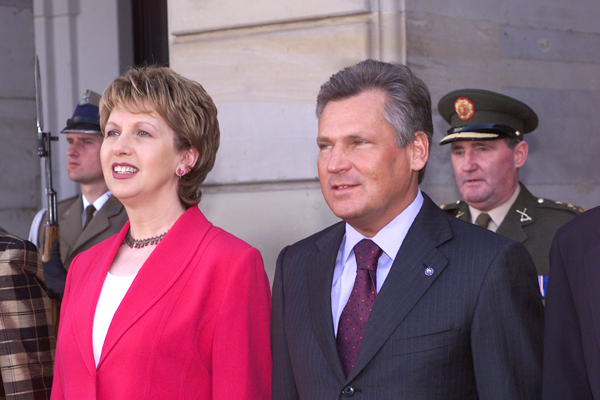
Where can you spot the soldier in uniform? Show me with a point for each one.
(88, 218)
(486, 139)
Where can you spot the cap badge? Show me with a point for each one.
(465, 109)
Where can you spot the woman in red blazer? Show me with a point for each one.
(171, 307)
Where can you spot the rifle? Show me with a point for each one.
(51, 229)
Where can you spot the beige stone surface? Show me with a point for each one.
(265, 82)
(266, 217)
(19, 163)
(204, 15)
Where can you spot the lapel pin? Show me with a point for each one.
(428, 271)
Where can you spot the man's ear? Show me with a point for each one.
(420, 151)
(520, 153)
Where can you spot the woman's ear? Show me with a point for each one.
(189, 159)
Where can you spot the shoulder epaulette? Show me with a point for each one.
(452, 209)
(559, 205)
(451, 206)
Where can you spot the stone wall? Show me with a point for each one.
(19, 162)
(263, 63)
(546, 54)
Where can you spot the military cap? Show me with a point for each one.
(476, 114)
(86, 118)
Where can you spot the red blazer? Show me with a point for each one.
(193, 325)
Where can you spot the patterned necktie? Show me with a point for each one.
(355, 315)
(89, 214)
(483, 220)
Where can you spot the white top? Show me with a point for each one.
(389, 239)
(111, 296)
(497, 214)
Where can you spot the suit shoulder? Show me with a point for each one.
(67, 203)
(222, 237)
(69, 200)
(476, 238)
(330, 231)
(589, 220)
(313, 242)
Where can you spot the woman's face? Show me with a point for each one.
(139, 159)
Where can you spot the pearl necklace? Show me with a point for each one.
(140, 243)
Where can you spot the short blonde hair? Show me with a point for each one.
(184, 105)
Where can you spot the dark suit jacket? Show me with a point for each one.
(531, 220)
(27, 343)
(471, 330)
(107, 221)
(572, 332)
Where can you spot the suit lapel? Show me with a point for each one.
(592, 273)
(160, 271)
(319, 277)
(407, 280)
(71, 227)
(86, 304)
(99, 223)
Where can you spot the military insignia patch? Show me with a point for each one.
(524, 216)
(465, 109)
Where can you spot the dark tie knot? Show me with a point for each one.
(483, 220)
(89, 214)
(367, 253)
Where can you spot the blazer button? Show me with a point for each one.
(348, 391)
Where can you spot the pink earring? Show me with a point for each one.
(180, 172)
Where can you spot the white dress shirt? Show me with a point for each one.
(389, 239)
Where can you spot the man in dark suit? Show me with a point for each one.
(93, 215)
(399, 301)
(572, 331)
(27, 344)
(488, 150)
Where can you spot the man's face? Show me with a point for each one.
(366, 179)
(486, 171)
(83, 156)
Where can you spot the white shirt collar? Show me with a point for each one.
(391, 236)
(100, 201)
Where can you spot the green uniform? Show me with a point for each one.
(73, 240)
(531, 220)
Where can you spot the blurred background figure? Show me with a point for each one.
(488, 150)
(171, 307)
(87, 218)
(572, 326)
(27, 344)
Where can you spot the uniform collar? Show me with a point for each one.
(497, 214)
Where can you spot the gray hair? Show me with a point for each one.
(408, 105)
